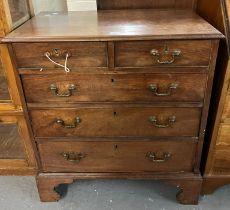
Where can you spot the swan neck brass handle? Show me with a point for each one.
(171, 120)
(154, 88)
(175, 53)
(62, 123)
(74, 157)
(152, 156)
(66, 93)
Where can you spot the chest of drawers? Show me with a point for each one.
(117, 94)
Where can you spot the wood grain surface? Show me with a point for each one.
(137, 54)
(118, 156)
(115, 122)
(4, 92)
(82, 54)
(114, 87)
(10, 142)
(221, 163)
(115, 119)
(145, 4)
(114, 25)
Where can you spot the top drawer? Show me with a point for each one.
(162, 53)
(81, 54)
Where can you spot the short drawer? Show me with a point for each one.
(114, 87)
(116, 121)
(81, 54)
(144, 156)
(162, 53)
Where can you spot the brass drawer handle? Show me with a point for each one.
(61, 122)
(154, 121)
(174, 53)
(171, 87)
(152, 156)
(74, 157)
(67, 93)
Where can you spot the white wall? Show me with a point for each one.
(81, 5)
(61, 5)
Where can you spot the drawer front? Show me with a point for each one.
(157, 156)
(114, 87)
(162, 53)
(222, 160)
(81, 54)
(116, 122)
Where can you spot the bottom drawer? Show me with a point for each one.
(118, 156)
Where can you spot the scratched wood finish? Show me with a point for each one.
(137, 54)
(118, 156)
(114, 25)
(119, 121)
(145, 4)
(114, 87)
(82, 54)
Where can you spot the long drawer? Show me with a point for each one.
(162, 53)
(114, 87)
(157, 156)
(80, 54)
(116, 121)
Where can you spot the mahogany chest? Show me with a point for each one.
(117, 94)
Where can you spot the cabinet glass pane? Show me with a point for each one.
(4, 92)
(19, 11)
(10, 144)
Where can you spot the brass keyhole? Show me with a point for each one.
(115, 114)
(166, 49)
(115, 146)
(112, 80)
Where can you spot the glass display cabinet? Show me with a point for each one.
(16, 152)
(17, 12)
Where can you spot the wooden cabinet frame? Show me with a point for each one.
(11, 111)
(15, 102)
(217, 13)
(18, 166)
(9, 25)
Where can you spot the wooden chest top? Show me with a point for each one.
(114, 25)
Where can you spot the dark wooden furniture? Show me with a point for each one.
(216, 158)
(129, 101)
